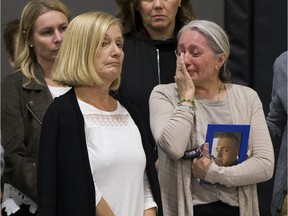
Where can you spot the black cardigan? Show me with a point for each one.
(65, 182)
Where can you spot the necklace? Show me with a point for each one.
(212, 95)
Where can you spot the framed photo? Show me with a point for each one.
(228, 143)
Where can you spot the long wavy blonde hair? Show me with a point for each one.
(26, 60)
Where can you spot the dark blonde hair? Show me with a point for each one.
(26, 58)
(132, 21)
(75, 63)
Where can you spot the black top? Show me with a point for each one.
(143, 69)
(65, 182)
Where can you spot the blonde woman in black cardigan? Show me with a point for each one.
(94, 154)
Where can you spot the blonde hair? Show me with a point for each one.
(26, 60)
(75, 63)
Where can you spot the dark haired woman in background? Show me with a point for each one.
(150, 29)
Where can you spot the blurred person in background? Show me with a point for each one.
(277, 124)
(10, 37)
(25, 96)
(150, 29)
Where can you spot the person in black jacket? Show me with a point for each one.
(25, 97)
(93, 151)
(150, 29)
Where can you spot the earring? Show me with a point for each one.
(31, 45)
(179, 5)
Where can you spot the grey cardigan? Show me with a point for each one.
(178, 130)
(23, 107)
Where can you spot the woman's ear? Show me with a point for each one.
(220, 60)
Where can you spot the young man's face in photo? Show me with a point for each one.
(227, 151)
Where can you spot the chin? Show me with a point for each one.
(159, 24)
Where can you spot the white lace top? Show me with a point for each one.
(117, 160)
(12, 197)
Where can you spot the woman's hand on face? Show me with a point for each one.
(183, 80)
(201, 165)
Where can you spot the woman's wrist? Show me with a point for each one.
(187, 102)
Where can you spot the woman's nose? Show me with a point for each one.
(58, 36)
(158, 3)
